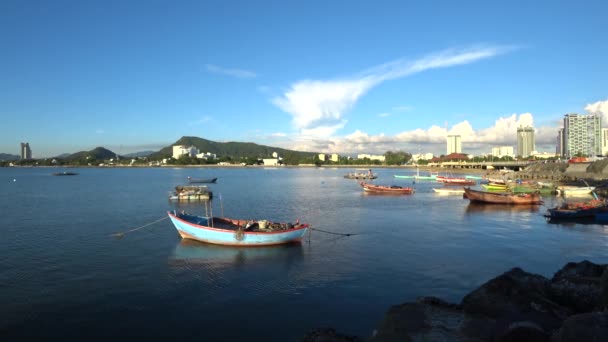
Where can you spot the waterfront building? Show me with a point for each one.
(582, 135)
(322, 156)
(422, 156)
(180, 150)
(454, 144)
(525, 141)
(26, 152)
(502, 151)
(335, 157)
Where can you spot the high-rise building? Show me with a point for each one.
(502, 151)
(454, 144)
(561, 144)
(582, 135)
(604, 141)
(525, 141)
(26, 152)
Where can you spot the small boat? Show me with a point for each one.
(455, 181)
(236, 232)
(574, 210)
(495, 187)
(501, 197)
(65, 173)
(567, 190)
(201, 180)
(387, 189)
(361, 175)
(449, 191)
(191, 193)
(473, 177)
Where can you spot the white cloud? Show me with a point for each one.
(319, 107)
(599, 108)
(238, 73)
(278, 134)
(433, 139)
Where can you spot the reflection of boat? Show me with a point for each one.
(191, 193)
(501, 198)
(234, 232)
(389, 189)
(449, 191)
(201, 180)
(193, 252)
(65, 173)
(477, 207)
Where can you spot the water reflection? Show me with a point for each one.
(475, 208)
(190, 253)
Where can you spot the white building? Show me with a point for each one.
(525, 141)
(454, 144)
(604, 141)
(270, 162)
(180, 150)
(335, 157)
(207, 155)
(544, 155)
(322, 156)
(502, 151)
(422, 156)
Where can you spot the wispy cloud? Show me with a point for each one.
(238, 73)
(201, 121)
(319, 107)
(278, 134)
(598, 108)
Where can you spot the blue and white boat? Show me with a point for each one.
(234, 232)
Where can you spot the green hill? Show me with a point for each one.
(94, 155)
(4, 156)
(233, 150)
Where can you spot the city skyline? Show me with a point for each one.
(336, 77)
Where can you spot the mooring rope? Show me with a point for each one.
(333, 233)
(122, 234)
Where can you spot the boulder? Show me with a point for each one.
(577, 286)
(591, 326)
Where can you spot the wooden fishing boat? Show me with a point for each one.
(455, 181)
(236, 232)
(576, 210)
(388, 189)
(567, 190)
(367, 174)
(191, 193)
(501, 197)
(201, 180)
(495, 187)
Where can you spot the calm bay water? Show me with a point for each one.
(62, 274)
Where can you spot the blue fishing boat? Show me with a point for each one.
(236, 232)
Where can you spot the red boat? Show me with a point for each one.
(388, 189)
(501, 197)
(455, 181)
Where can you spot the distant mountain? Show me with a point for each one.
(63, 155)
(139, 154)
(5, 156)
(231, 149)
(98, 153)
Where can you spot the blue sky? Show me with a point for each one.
(327, 76)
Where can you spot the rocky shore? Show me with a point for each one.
(515, 306)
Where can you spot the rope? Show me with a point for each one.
(121, 234)
(333, 233)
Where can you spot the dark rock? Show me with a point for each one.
(577, 286)
(328, 335)
(430, 319)
(522, 331)
(584, 327)
(603, 305)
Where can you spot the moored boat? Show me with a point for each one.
(388, 189)
(495, 187)
(501, 197)
(574, 210)
(567, 190)
(236, 232)
(449, 191)
(191, 193)
(361, 175)
(455, 181)
(65, 173)
(201, 180)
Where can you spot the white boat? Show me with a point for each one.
(568, 190)
(449, 191)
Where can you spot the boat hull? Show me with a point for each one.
(227, 237)
(386, 189)
(501, 198)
